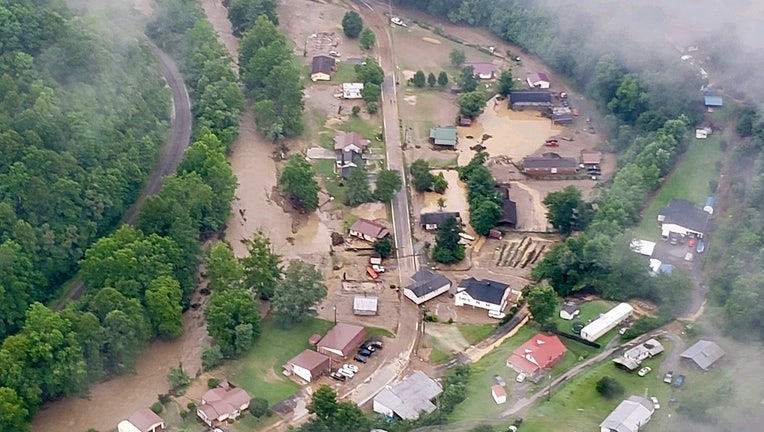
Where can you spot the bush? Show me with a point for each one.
(431, 318)
(211, 357)
(184, 414)
(179, 379)
(164, 398)
(258, 407)
(609, 387)
(372, 107)
(157, 407)
(191, 406)
(356, 110)
(213, 382)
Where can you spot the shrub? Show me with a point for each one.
(157, 407)
(183, 414)
(356, 110)
(372, 107)
(609, 387)
(211, 357)
(213, 382)
(164, 398)
(258, 407)
(191, 406)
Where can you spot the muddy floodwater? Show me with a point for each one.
(455, 198)
(513, 133)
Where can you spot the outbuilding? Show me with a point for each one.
(352, 90)
(444, 136)
(630, 415)
(409, 398)
(321, 68)
(684, 218)
(703, 353)
(435, 220)
(363, 305)
(143, 420)
(549, 163)
(538, 80)
(368, 230)
(342, 340)
(569, 311)
(533, 99)
(483, 70)
(499, 394)
(308, 365)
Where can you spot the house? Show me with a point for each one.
(630, 415)
(143, 420)
(606, 322)
(569, 311)
(433, 221)
(508, 207)
(350, 141)
(368, 230)
(535, 99)
(363, 305)
(499, 394)
(408, 398)
(308, 365)
(426, 285)
(684, 218)
(591, 159)
(549, 164)
(484, 294)
(632, 357)
(538, 80)
(703, 353)
(483, 70)
(349, 159)
(643, 247)
(221, 404)
(713, 101)
(538, 353)
(321, 68)
(443, 136)
(341, 341)
(352, 90)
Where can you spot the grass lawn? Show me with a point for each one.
(474, 333)
(378, 332)
(325, 168)
(367, 129)
(259, 372)
(690, 180)
(344, 73)
(438, 354)
(444, 163)
(589, 311)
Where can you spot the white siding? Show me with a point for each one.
(419, 300)
(301, 372)
(381, 409)
(462, 299)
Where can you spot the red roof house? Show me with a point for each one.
(222, 404)
(368, 230)
(538, 353)
(143, 420)
(308, 365)
(342, 340)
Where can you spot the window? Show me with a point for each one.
(554, 170)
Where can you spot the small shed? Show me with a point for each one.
(443, 136)
(569, 311)
(499, 394)
(352, 90)
(495, 234)
(712, 101)
(321, 68)
(313, 340)
(365, 305)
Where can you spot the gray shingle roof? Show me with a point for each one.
(530, 96)
(484, 290)
(686, 214)
(629, 416)
(427, 281)
(437, 218)
(703, 353)
(411, 396)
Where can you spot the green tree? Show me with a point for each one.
(367, 39)
(323, 403)
(457, 57)
(211, 357)
(224, 271)
(357, 190)
(630, 100)
(258, 407)
(506, 82)
(476, 163)
(297, 183)
(298, 292)
(467, 80)
(228, 310)
(439, 183)
(447, 248)
(371, 92)
(388, 184)
(13, 415)
(485, 216)
(372, 107)
(163, 307)
(384, 247)
(262, 267)
(243, 13)
(542, 302)
(352, 24)
(178, 379)
(442, 79)
(419, 80)
(370, 72)
(568, 211)
(16, 279)
(421, 177)
(471, 104)
(431, 80)
(609, 387)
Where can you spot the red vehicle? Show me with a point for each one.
(551, 143)
(691, 242)
(372, 273)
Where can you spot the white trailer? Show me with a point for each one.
(606, 322)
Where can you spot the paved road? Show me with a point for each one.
(175, 146)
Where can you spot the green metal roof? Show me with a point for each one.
(443, 135)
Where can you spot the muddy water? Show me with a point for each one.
(455, 197)
(537, 220)
(146, 7)
(217, 15)
(514, 133)
(112, 401)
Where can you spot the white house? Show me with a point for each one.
(630, 415)
(352, 90)
(222, 404)
(606, 322)
(683, 217)
(538, 80)
(499, 394)
(426, 285)
(632, 357)
(485, 294)
(409, 398)
(569, 311)
(143, 420)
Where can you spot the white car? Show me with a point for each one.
(350, 367)
(346, 372)
(520, 377)
(397, 21)
(335, 53)
(496, 314)
(654, 400)
(644, 371)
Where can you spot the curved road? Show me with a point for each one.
(171, 154)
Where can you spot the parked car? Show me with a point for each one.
(654, 400)
(678, 381)
(364, 352)
(499, 380)
(398, 21)
(361, 358)
(668, 377)
(521, 377)
(373, 343)
(691, 242)
(496, 314)
(701, 247)
(622, 331)
(337, 376)
(346, 372)
(335, 53)
(644, 371)
(350, 367)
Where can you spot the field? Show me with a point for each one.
(690, 180)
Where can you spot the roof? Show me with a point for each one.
(344, 139)
(539, 352)
(632, 357)
(484, 290)
(313, 340)
(309, 359)
(537, 77)
(365, 303)
(530, 96)
(498, 390)
(340, 336)
(482, 68)
(570, 307)
(411, 396)
(437, 218)
(369, 228)
(713, 101)
(443, 135)
(220, 401)
(686, 214)
(144, 419)
(616, 314)
(549, 160)
(629, 416)
(508, 207)
(426, 281)
(643, 247)
(322, 64)
(352, 86)
(590, 157)
(703, 353)
(562, 117)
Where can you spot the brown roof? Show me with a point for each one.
(369, 228)
(344, 139)
(590, 157)
(313, 340)
(219, 401)
(549, 160)
(341, 336)
(322, 64)
(310, 360)
(482, 68)
(144, 419)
